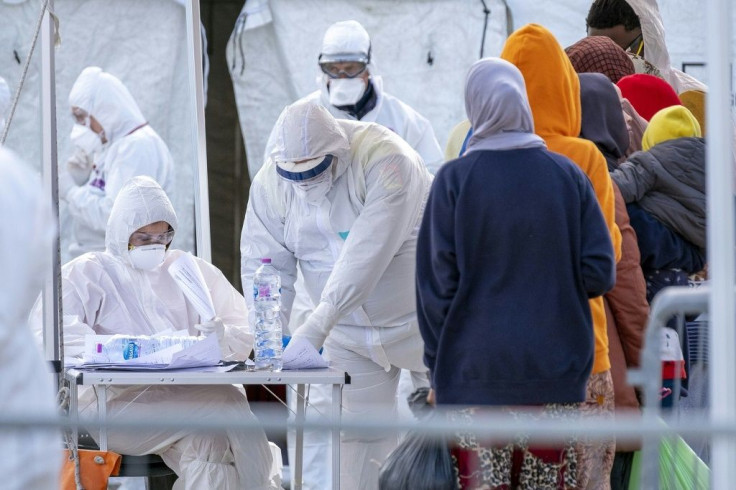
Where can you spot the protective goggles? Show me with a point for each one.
(138, 239)
(80, 117)
(345, 69)
(349, 65)
(300, 172)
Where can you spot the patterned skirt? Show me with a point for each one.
(516, 465)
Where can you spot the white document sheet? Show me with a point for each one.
(189, 278)
(300, 354)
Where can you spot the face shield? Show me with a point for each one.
(311, 180)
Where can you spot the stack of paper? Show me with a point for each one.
(205, 352)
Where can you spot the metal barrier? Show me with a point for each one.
(671, 303)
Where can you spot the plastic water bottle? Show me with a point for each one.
(120, 348)
(267, 304)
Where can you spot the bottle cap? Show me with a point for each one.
(265, 261)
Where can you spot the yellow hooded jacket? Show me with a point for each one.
(554, 96)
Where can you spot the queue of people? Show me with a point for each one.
(516, 275)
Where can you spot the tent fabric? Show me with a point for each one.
(143, 47)
(423, 54)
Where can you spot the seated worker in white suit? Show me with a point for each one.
(114, 143)
(127, 290)
(343, 200)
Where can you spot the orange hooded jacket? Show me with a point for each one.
(554, 96)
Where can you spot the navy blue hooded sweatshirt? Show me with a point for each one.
(511, 246)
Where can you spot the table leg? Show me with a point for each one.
(102, 415)
(301, 403)
(335, 417)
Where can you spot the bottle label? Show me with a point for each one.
(131, 351)
(262, 292)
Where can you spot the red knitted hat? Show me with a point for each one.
(648, 94)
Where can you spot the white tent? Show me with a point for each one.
(272, 53)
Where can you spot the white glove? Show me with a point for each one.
(318, 325)
(79, 166)
(214, 326)
(66, 183)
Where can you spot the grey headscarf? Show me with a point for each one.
(498, 107)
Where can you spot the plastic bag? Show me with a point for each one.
(679, 467)
(419, 462)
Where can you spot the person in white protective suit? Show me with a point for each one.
(343, 200)
(30, 458)
(127, 290)
(113, 142)
(349, 89)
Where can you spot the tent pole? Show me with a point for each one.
(720, 178)
(196, 89)
(53, 348)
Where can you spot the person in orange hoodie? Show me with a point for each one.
(554, 95)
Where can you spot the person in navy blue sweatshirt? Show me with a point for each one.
(511, 247)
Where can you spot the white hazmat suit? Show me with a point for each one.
(104, 294)
(353, 235)
(341, 42)
(30, 458)
(132, 148)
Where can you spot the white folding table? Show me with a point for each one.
(103, 379)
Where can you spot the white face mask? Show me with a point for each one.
(147, 257)
(314, 190)
(86, 139)
(346, 91)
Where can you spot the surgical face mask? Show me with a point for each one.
(147, 257)
(346, 91)
(86, 139)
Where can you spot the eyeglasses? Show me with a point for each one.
(346, 69)
(636, 45)
(139, 239)
(80, 117)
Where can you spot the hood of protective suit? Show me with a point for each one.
(603, 118)
(498, 108)
(139, 203)
(305, 131)
(105, 97)
(599, 54)
(655, 46)
(27, 230)
(668, 124)
(349, 41)
(551, 81)
(347, 37)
